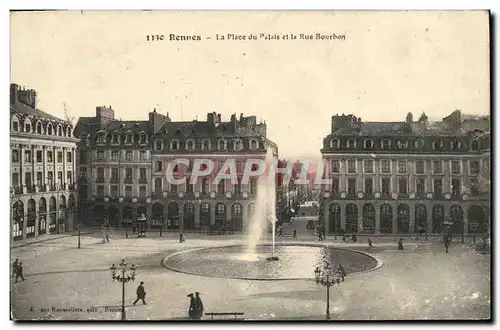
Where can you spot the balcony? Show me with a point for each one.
(99, 180)
(42, 188)
(18, 190)
(143, 180)
(30, 189)
(128, 180)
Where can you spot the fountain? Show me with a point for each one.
(265, 210)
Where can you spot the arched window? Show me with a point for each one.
(419, 144)
(190, 145)
(475, 145)
(254, 144)
(386, 144)
(59, 130)
(158, 145)
(438, 144)
(143, 138)
(27, 125)
(403, 144)
(455, 144)
(369, 144)
(15, 124)
(101, 137)
(351, 143)
(334, 143)
(205, 145)
(129, 138)
(39, 129)
(174, 145)
(237, 144)
(222, 145)
(50, 129)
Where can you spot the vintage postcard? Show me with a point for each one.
(250, 165)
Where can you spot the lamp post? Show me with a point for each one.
(123, 277)
(328, 279)
(79, 224)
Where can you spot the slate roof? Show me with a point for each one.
(24, 109)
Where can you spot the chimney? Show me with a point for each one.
(14, 97)
(211, 119)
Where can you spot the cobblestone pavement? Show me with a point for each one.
(420, 282)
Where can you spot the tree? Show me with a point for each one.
(67, 115)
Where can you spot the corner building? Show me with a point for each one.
(123, 164)
(42, 190)
(399, 177)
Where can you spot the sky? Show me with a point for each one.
(389, 64)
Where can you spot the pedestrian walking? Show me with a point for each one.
(199, 306)
(14, 268)
(400, 244)
(446, 244)
(342, 272)
(182, 239)
(19, 271)
(344, 238)
(192, 307)
(370, 243)
(141, 294)
(294, 233)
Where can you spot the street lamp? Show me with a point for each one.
(123, 278)
(327, 279)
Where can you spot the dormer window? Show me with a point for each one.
(129, 138)
(438, 144)
(59, 130)
(222, 145)
(115, 138)
(254, 144)
(455, 144)
(419, 144)
(369, 144)
(68, 131)
(205, 145)
(402, 144)
(143, 138)
(27, 126)
(237, 144)
(386, 144)
(49, 129)
(190, 145)
(101, 138)
(475, 145)
(334, 143)
(174, 145)
(351, 143)
(39, 128)
(15, 124)
(158, 145)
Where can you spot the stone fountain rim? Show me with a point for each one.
(380, 263)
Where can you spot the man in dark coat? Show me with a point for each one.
(14, 268)
(400, 244)
(141, 294)
(192, 307)
(199, 306)
(19, 271)
(446, 244)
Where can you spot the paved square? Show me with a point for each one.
(420, 282)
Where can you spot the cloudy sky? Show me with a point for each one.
(389, 64)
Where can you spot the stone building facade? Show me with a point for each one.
(43, 190)
(123, 164)
(399, 177)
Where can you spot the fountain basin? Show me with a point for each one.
(296, 261)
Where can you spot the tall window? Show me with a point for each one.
(128, 175)
(368, 166)
(15, 156)
(100, 155)
(114, 174)
(474, 186)
(189, 186)
(157, 185)
(351, 166)
(351, 187)
(419, 166)
(100, 191)
(128, 155)
(455, 167)
(173, 188)
(420, 187)
(237, 188)
(39, 156)
(456, 187)
(143, 155)
(39, 178)
(142, 174)
(128, 191)
(403, 186)
(253, 187)
(438, 187)
(115, 139)
(69, 157)
(368, 187)
(27, 156)
(142, 192)
(402, 166)
(386, 144)
(204, 186)
(221, 188)
(335, 185)
(114, 191)
(114, 155)
(59, 157)
(335, 165)
(474, 166)
(100, 174)
(386, 166)
(386, 186)
(437, 166)
(158, 166)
